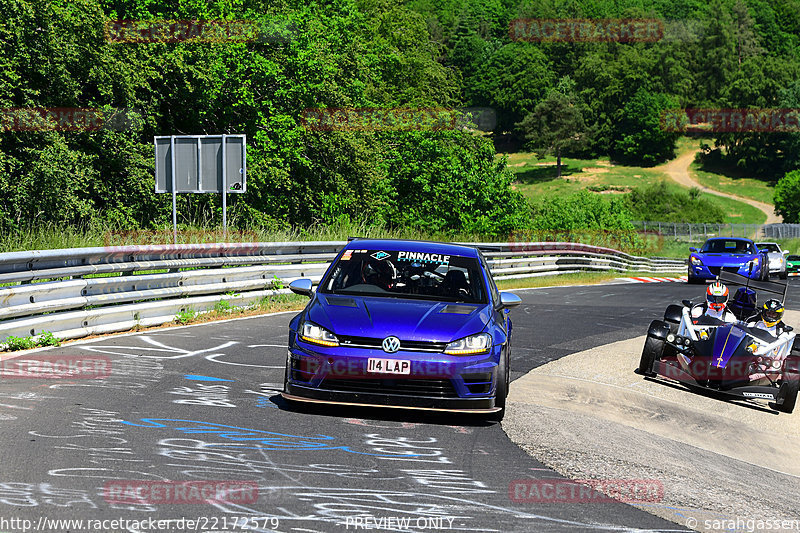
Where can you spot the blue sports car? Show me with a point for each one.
(406, 324)
(731, 254)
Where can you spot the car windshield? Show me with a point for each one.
(769, 247)
(724, 246)
(407, 274)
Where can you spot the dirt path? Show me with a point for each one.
(678, 170)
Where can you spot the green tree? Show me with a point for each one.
(719, 55)
(746, 40)
(787, 197)
(449, 181)
(556, 124)
(639, 136)
(512, 81)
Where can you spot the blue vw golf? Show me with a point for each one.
(407, 324)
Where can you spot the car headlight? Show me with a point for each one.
(472, 345)
(696, 261)
(318, 335)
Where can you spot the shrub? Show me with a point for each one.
(19, 343)
(658, 202)
(48, 339)
(582, 210)
(184, 317)
(222, 306)
(787, 197)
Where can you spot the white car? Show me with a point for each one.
(776, 258)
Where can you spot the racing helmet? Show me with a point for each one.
(771, 312)
(717, 296)
(379, 272)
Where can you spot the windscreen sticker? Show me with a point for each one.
(380, 255)
(422, 257)
(347, 255)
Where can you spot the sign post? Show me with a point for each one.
(200, 164)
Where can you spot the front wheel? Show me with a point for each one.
(503, 376)
(783, 275)
(787, 394)
(653, 348)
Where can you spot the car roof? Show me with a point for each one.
(744, 239)
(759, 243)
(412, 245)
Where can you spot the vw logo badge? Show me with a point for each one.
(391, 344)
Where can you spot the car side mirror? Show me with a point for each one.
(686, 303)
(303, 287)
(509, 300)
(692, 249)
(786, 252)
(787, 328)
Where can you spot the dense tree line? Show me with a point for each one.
(364, 54)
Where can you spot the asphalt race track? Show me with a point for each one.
(201, 403)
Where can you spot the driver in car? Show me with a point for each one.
(716, 304)
(380, 273)
(769, 320)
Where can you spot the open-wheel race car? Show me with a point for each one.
(733, 357)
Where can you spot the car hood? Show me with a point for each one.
(721, 260)
(413, 320)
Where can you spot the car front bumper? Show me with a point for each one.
(435, 380)
(706, 272)
(777, 266)
(461, 405)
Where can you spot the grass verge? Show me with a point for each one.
(224, 310)
(754, 189)
(578, 278)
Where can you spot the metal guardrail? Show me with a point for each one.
(73, 304)
(700, 232)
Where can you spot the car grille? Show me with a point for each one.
(439, 388)
(371, 342)
(715, 270)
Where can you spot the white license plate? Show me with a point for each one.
(389, 366)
